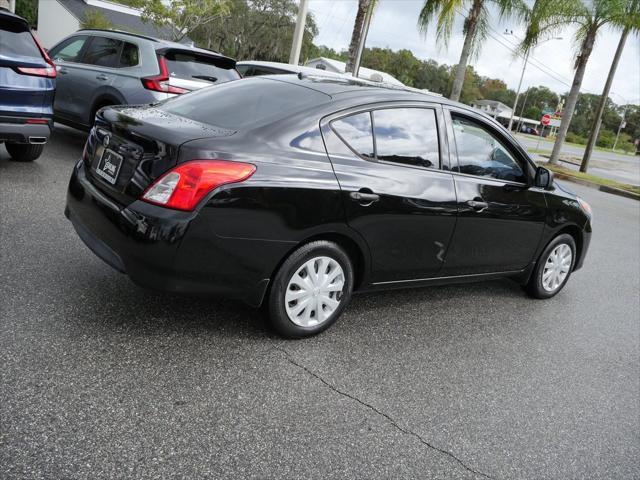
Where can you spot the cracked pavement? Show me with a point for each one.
(101, 379)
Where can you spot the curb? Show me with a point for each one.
(602, 188)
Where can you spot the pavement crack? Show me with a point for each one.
(380, 413)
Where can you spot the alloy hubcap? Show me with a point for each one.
(557, 267)
(314, 292)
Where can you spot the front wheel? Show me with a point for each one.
(311, 290)
(553, 268)
(24, 152)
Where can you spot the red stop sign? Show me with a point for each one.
(545, 120)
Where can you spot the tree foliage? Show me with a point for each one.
(257, 30)
(181, 17)
(95, 19)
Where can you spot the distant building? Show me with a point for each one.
(59, 18)
(337, 66)
(493, 108)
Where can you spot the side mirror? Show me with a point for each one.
(544, 178)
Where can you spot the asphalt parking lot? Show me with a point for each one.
(102, 379)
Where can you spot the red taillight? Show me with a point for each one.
(159, 83)
(37, 121)
(48, 72)
(184, 186)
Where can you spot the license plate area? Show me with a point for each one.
(109, 165)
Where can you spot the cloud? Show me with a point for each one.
(394, 25)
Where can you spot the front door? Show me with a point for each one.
(66, 57)
(500, 216)
(395, 192)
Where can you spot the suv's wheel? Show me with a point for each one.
(311, 289)
(553, 268)
(24, 152)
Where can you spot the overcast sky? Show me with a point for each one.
(394, 26)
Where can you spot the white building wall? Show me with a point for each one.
(54, 22)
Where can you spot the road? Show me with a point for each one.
(606, 164)
(101, 379)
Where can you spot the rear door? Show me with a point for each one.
(21, 94)
(192, 71)
(391, 163)
(501, 216)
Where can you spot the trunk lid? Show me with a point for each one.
(130, 147)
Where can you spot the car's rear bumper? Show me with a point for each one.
(16, 129)
(153, 247)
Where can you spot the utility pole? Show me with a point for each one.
(515, 103)
(623, 124)
(363, 38)
(298, 33)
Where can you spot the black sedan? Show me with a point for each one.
(292, 193)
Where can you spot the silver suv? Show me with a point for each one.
(97, 68)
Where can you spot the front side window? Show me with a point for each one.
(408, 136)
(104, 52)
(69, 50)
(480, 153)
(355, 131)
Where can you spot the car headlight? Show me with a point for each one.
(585, 206)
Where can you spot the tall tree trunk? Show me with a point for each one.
(363, 6)
(471, 27)
(597, 121)
(572, 99)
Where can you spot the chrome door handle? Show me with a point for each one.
(102, 77)
(477, 205)
(62, 71)
(364, 198)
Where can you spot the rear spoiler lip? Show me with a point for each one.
(7, 16)
(224, 62)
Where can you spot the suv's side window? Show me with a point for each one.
(103, 51)
(130, 56)
(408, 136)
(69, 50)
(480, 153)
(355, 131)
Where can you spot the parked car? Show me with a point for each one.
(292, 193)
(27, 88)
(98, 68)
(254, 68)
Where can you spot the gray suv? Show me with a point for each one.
(97, 68)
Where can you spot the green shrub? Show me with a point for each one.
(575, 138)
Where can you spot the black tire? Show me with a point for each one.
(535, 286)
(24, 152)
(276, 308)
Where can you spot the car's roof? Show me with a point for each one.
(288, 67)
(12, 17)
(159, 43)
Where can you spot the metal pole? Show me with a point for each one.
(515, 103)
(363, 39)
(526, 95)
(619, 128)
(298, 33)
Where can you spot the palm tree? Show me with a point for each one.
(358, 31)
(475, 28)
(630, 22)
(589, 16)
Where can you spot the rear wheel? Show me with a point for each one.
(24, 152)
(310, 290)
(553, 268)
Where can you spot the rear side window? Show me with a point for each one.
(69, 50)
(408, 136)
(188, 66)
(244, 103)
(356, 131)
(15, 41)
(480, 153)
(104, 52)
(130, 56)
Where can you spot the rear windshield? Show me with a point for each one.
(244, 103)
(15, 41)
(198, 67)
